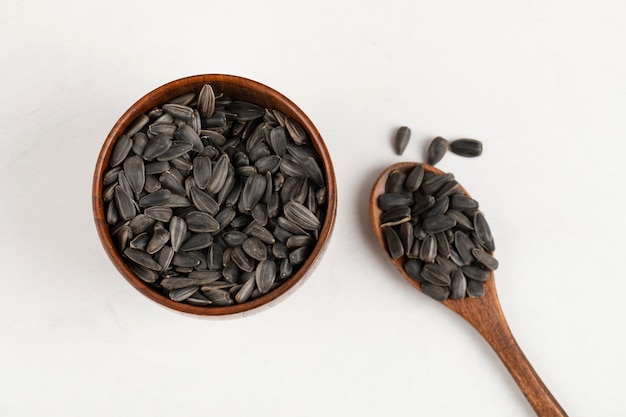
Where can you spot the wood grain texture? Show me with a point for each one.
(237, 88)
(484, 314)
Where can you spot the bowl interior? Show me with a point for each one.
(237, 88)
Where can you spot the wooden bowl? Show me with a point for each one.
(237, 88)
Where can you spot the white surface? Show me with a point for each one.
(541, 83)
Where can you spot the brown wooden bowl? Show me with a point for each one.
(237, 88)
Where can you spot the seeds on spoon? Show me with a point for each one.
(449, 254)
(401, 139)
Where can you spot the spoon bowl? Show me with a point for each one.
(484, 314)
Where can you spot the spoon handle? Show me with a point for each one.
(489, 320)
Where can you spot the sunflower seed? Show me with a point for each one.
(197, 241)
(178, 230)
(285, 269)
(218, 177)
(428, 248)
(458, 285)
(268, 163)
(164, 257)
(436, 292)
(297, 241)
(205, 277)
(176, 283)
(170, 181)
(299, 255)
(443, 246)
(414, 267)
(242, 260)
(219, 297)
(278, 140)
(160, 237)
(434, 183)
(200, 222)
(179, 111)
(297, 132)
(301, 216)
(464, 246)
(184, 99)
(234, 238)
(183, 293)
(395, 216)
(265, 275)
(260, 214)
(435, 274)
(466, 147)
(225, 216)
(279, 250)
(214, 258)
(157, 146)
(206, 101)
(463, 203)
(120, 150)
(164, 126)
(461, 219)
(140, 140)
(142, 258)
(156, 167)
(140, 242)
(388, 201)
(253, 190)
(485, 258)
(414, 178)
(187, 134)
(395, 182)
(245, 111)
(177, 149)
(261, 232)
(203, 202)
(438, 223)
(111, 176)
(476, 273)
(406, 237)
(482, 229)
(291, 167)
(255, 248)
(394, 244)
(140, 224)
(475, 289)
(245, 291)
(436, 150)
(124, 203)
(152, 184)
(145, 274)
(184, 259)
(156, 198)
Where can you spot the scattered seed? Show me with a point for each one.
(401, 139)
(436, 150)
(466, 147)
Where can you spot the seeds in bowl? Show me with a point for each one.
(439, 232)
(214, 201)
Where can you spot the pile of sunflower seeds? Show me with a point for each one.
(439, 232)
(214, 201)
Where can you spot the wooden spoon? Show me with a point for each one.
(485, 314)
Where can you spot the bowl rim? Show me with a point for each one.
(238, 88)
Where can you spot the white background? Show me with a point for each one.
(541, 83)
